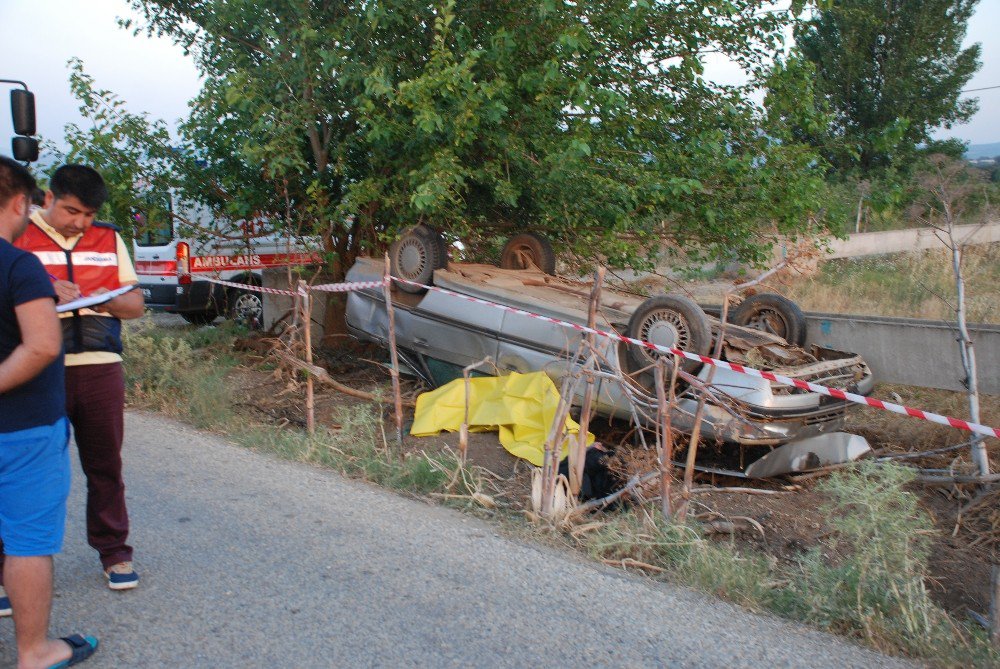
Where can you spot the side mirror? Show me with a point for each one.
(22, 108)
(25, 149)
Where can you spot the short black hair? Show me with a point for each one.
(15, 179)
(84, 183)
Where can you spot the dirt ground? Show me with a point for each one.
(964, 548)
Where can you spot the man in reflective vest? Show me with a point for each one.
(85, 258)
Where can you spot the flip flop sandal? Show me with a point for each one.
(83, 648)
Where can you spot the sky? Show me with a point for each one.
(38, 37)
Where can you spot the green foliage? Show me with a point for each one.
(878, 586)
(589, 121)
(890, 73)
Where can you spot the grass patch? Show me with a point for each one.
(919, 284)
(358, 449)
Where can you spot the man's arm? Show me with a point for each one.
(41, 343)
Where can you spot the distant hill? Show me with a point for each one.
(983, 151)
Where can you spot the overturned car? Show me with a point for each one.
(439, 333)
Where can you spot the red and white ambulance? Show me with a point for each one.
(173, 268)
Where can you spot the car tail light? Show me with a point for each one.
(183, 259)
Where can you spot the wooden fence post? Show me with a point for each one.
(307, 323)
(394, 357)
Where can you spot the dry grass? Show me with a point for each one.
(911, 285)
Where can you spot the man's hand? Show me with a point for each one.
(66, 291)
(129, 305)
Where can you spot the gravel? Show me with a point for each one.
(250, 561)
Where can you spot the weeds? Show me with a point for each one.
(178, 375)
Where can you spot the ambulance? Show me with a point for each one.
(175, 263)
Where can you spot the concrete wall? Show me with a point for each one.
(910, 351)
(901, 241)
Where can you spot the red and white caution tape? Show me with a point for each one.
(251, 287)
(326, 287)
(770, 376)
(347, 287)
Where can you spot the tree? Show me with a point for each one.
(949, 193)
(588, 121)
(891, 72)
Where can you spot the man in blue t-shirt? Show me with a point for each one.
(34, 435)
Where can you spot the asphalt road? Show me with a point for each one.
(248, 561)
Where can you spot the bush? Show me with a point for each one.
(164, 372)
(869, 577)
(866, 580)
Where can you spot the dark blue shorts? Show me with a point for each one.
(34, 484)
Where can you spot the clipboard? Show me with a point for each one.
(93, 300)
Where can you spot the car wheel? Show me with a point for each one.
(415, 256)
(200, 317)
(669, 320)
(246, 308)
(443, 255)
(772, 313)
(528, 250)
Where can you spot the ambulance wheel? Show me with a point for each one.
(246, 308)
(200, 317)
(528, 250)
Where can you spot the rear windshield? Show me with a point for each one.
(153, 227)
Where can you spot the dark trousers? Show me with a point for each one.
(95, 405)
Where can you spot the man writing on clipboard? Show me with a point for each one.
(87, 258)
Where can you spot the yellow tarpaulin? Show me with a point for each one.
(521, 406)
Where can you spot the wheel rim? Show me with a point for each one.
(769, 320)
(411, 257)
(248, 309)
(665, 328)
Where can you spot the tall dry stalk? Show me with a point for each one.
(553, 446)
(703, 394)
(578, 451)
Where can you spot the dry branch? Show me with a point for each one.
(324, 377)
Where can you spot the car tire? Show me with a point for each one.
(526, 250)
(443, 255)
(415, 256)
(200, 317)
(772, 313)
(245, 307)
(669, 320)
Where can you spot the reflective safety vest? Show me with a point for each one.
(92, 263)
